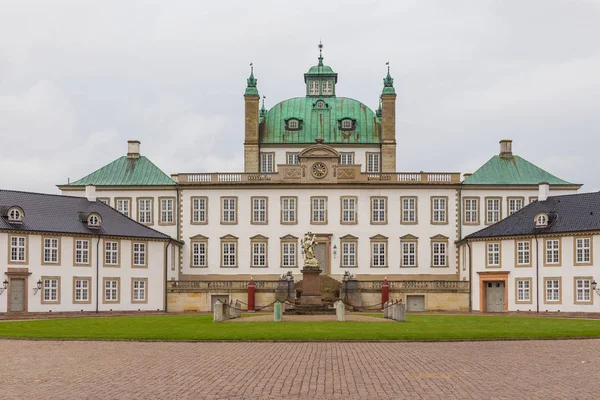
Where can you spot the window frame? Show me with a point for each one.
(409, 240)
(487, 254)
(346, 154)
(289, 154)
(350, 240)
(235, 210)
(197, 241)
(508, 201)
(402, 210)
(145, 254)
(583, 263)
(433, 210)
(288, 239)
(475, 199)
(289, 211)
(529, 290)
(355, 209)
(193, 210)
(553, 278)
(230, 240)
(43, 290)
(25, 248)
(270, 166)
(314, 87)
(88, 250)
(253, 221)
(439, 240)
(139, 210)
(58, 250)
(559, 250)
(123, 200)
(324, 210)
(590, 291)
(88, 279)
(105, 200)
(133, 289)
(327, 84)
(374, 199)
(260, 241)
(111, 265)
(118, 290)
(487, 210)
(161, 211)
(523, 265)
(379, 240)
(368, 155)
(288, 126)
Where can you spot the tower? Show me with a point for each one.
(388, 125)
(251, 100)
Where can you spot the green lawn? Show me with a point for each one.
(201, 327)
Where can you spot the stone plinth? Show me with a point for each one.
(311, 286)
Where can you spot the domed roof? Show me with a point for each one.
(323, 122)
(320, 69)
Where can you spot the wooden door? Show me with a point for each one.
(321, 255)
(494, 296)
(17, 295)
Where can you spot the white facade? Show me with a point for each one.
(71, 282)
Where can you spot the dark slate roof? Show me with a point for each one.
(60, 214)
(568, 213)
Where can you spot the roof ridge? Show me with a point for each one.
(131, 219)
(45, 194)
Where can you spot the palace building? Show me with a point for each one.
(323, 164)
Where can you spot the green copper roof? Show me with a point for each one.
(388, 84)
(512, 171)
(251, 88)
(320, 122)
(126, 171)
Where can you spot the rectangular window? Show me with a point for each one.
(552, 252)
(199, 210)
(409, 254)
(378, 210)
(347, 158)
(82, 251)
(523, 290)
(82, 290)
(493, 254)
(145, 211)
(139, 254)
(104, 200)
(229, 213)
(288, 210)
(523, 253)
(259, 210)
(379, 253)
(167, 207)
(292, 158)
(17, 248)
(471, 211)
(514, 205)
(318, 210)
(439, 251)
(229, 254)
(313, 88)
(259, 254)
(139, 290)
(288, 254)
(51, 287)
(492, 211)
(111, 253)
(409, 210)
(111, 290)
(266, 162)
(51, 251)
(583, 250)
(372, 162)
(348, 210)
(583, 290)
(552, 290)
(199, 254)
(348, 254)
(123, 206)
(327, 88)
(438, 210)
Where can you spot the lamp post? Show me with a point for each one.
(4, 286)
(38, 287)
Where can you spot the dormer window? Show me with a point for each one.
(94, 220)
(541, 220)
(292, 124)
(15, 215)
(327, 88)
(313, 88)
(347, 124)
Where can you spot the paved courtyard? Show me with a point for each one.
(110, 370)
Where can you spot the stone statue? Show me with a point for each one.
(308, 246)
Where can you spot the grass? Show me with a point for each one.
(201, 327)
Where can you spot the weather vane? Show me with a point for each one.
(252, 67)
(320, 48)
(388, 65)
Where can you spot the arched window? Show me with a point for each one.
(94, 220)
(15, 215)
(541, 220)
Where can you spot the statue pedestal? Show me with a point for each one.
(311, 286)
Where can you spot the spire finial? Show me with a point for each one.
(251, 81)
(388, 82)
(387, 63)
(320, 53)
(263, 110)
(252, 68)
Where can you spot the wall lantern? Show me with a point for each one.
(595, 287)
(334, 250)
(4, 286)
(38, 288)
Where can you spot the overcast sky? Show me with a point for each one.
(80, 78)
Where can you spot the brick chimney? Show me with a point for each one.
(133, 149)
(506, 148)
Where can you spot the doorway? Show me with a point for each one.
(323, 252)
(17, 295)
(494, 295)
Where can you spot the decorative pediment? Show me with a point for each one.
(439, 236)
(198, 237)
(319, 151)
(409, 237)
(379, 237)
(289, 237)
(229, 237)
(348, 237)
(259, 237)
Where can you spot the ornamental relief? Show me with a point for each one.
(292, 173)
(346, 173)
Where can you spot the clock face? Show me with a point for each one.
(319, 170)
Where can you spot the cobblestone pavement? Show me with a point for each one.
(159, 370)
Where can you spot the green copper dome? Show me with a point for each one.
(320, 70)
(324, 122)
